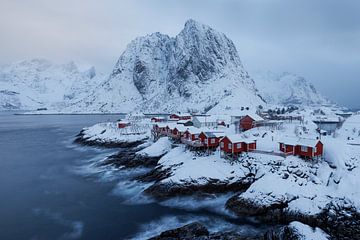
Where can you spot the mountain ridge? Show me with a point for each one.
(197, 70)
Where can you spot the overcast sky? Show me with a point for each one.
(319, 40)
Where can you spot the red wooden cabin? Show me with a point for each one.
(235, 144)
(123, 124)
(249, 121)
(178, 131)
(158, 119)
(191, 137)
(307, 148)
(211, 139)
(180, 116)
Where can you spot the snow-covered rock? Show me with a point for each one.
(38, 83)
(195, 70)
(286, 89)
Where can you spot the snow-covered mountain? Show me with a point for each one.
(286, 89)
(195, 70)
(38, 83)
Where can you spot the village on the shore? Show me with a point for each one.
(284, 165)
(292, 133)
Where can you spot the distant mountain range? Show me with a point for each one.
(197, 70)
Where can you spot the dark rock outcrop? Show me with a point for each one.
(129, 158)
(167, 190)
(197, 231)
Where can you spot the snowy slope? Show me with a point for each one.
(195, 70)
(198, 70)
(37, 83)
(286, 88)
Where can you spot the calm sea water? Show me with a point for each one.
(51, 188)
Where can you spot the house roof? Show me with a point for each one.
(194, 130)
(214, 134)
(124, 122)
(183, 121)
(182, 114)
(171, 125)
(214, 118)
(255, 117)
(181, 128)
(327, 119)
(161, 125)
(306, 142)
(236, 138)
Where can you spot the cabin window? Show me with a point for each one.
(212, 140)
(222, 144)
(238, 145)
(196, 135)
(304, 149)
(230, 146)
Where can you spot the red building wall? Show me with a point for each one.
(234, 146)
(286, 148)
(246, 123)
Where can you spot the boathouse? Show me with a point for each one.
(250, 121)
(236, 144)
(182, 116)
(123, 124)
(211, 139)
(307, 148)
(158, 119)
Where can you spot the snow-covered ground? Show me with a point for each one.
(304, 232)
(110, 133)
(307, 185)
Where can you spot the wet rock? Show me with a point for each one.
(155, 175)
(341, 219)
(197, 231)
(190, 231)
(129, 158)
(283, 233)
(161, 190)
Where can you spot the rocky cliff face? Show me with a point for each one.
(195, 71)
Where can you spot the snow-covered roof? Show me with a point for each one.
(204, 119)
(300, 141)
(172, 125)
(183, 121)
(181, 128)
(214, 134)
(124, 122)
(255, 117)
(328, 119)
(239, 138)
(194, 130)
(158, 117)
(162, 125)
(182, 114)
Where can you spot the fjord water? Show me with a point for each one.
(51, 189)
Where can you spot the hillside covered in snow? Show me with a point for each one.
(197, 70)
(192, 71)
(38, 83)
(286, 89)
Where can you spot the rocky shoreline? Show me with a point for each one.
(339, 222)
(87, 141)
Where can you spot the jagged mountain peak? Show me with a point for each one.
(194, 70)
